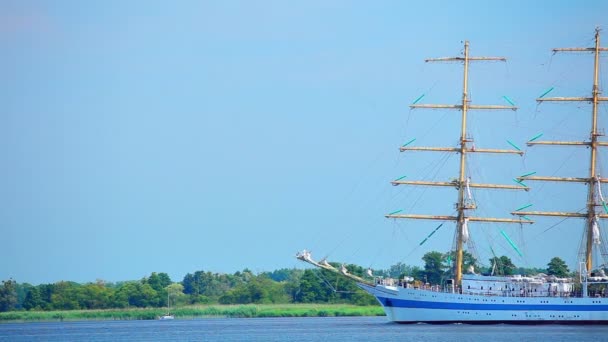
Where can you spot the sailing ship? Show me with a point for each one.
(475, 298)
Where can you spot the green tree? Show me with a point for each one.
(237, 295)
(158, 281)
(204, 287)
(434, 269)
(136, 294)
(502, 265)
(8, 295)
(190, 285)
(312, 289)
(399, 270)
(259, 289)
(176, 294)
(33, 300)
(94, 296)
(558, 268)
(321, 286)
(22, 290)
(292, 284)
(46, 292)
(65, 296)
(468, 261)
(529, 270)
(120, 297)
(280, 275)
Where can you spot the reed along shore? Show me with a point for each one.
(197, 311)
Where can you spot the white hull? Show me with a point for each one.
(408, 305)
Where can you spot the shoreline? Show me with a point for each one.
(194, 312)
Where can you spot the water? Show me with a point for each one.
(292, 329)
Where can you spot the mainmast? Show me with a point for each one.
(463, 181)
(593, 181)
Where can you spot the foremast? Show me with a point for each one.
(593, 181)
(463, 182)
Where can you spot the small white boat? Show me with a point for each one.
(168, 315)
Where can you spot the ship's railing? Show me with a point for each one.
(447, 288)
(407, 284)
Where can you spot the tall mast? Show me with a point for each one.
(461, 176)
(463, 203)
(593, 181)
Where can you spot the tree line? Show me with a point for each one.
(243, 287)
(438, 267)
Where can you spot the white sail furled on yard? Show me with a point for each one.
(465, 230)
(596, 231)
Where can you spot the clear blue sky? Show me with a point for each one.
(175, 136)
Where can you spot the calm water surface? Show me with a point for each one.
(292, 329)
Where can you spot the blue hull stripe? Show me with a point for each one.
(415, 304)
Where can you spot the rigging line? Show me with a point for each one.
(382, 249)
(560, 124)
(561, 77)
(550, 62)
(352, 231)
(382, 188)
(507, 69)
(407, 121)
(602, 247)
(366, 170)
(415, 248)
(428, 91)
(396, 230)
(454, 247)
(375, 257)
(491, 243)
(435, 166)
(445, 158)
(317, 273)
(433, 126)
(319, 276)
(556, 224)
(438, 164)
(396, 227)
(581, 255)
(523, 246)
(472, 246)
(427, 170)
(499, 241)
(340, 243)
(411, 109)
(540, 188)
(433, 86)
(431, 167)
(356, 251)
(378, 196)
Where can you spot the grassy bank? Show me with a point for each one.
(196, 311)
